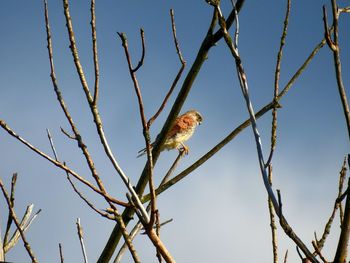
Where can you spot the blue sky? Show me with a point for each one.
(220, 211)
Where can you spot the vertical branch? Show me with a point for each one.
(132, 72)
(342, 249)
(149, 222)
(334, 46)
(81, 240)
(61, 252)
(273, 222)
(12, 202)
(14, 217)
(276, 84)
(337, 204)
(94, 51)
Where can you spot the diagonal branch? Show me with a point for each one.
(14, 217)
(178, 76)
(241, 127)
(62, 166)
(244, 87)
(320, 243)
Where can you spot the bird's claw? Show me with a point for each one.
(184, 150)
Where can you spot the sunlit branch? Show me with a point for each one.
(15, 220)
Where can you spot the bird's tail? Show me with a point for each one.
(143, 151)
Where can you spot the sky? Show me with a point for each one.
(219, 211)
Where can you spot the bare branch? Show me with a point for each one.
(337, 204)
(276, 90)
(136, 229)
(77, 135)
(240, 128)
(51, 143)
(62, 166)
(12, 202)
(147, 221)
(327, 35)
(81, 240)
(75, 54)
(94, 109)
(145, 129)
(94, 51)
(285, 257)
(87, 201)
(61, 253)
(318, 251)
(67, 134)
(273, 223)
(334, 46)
(244, 87)
(139, 65)
(25, 223)
(14, 217)
(178, 76)
(342, 249)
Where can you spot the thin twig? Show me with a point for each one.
(318, 251)
(106, 215)
(12, 202)
(67, 134)
(285, 257)
(178, 76)
(81, 240)
(14, 217)
(334, 46)
(273, 223)
(342, 248)
(144, 124)
(77, 135)
(25, 224)
(139, 65)
(61, 252)
(94, 51)
(62, 166)
(148, 221)
(51, 144)
(276, 84)
(337, 204)
(136, 229)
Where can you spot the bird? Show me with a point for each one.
(182, 129)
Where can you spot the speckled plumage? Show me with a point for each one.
(181, 131)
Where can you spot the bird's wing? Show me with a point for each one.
(182, 123)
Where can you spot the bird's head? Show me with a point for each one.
(196, 115)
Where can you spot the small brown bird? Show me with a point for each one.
(180, 132)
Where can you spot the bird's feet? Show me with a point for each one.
(184, 149)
